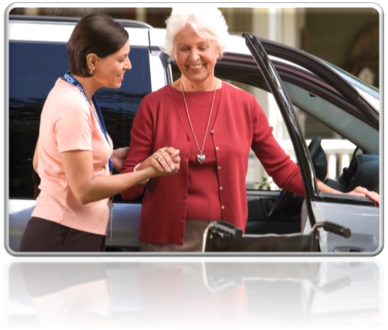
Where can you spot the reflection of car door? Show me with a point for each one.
(346, 300)
(358, 214)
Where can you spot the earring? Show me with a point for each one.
(91, 72)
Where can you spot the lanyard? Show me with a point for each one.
(69, 78)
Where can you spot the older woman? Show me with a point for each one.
(214, 125)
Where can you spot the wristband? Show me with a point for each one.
(134, 170)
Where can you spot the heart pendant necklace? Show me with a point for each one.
(200, 157)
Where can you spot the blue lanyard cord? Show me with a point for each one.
(69, 78)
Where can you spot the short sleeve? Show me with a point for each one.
(73, 127)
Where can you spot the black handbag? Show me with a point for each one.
(224, 237)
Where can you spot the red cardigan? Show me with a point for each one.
(240, 125)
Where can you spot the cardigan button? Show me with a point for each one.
(222, 207)
(217, 148)
(221, 188)
(212, 131)
(219, 167)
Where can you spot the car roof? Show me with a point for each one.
(34, 28)
(73, 20)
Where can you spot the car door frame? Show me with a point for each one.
(318, 204)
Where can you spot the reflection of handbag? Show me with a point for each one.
(363, 171)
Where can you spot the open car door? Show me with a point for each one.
(331, 223)
(358, 214)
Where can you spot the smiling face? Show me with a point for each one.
(109, 71)
(196, 58)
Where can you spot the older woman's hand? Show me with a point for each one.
(360, 191)
(118, 157)
(164, 161)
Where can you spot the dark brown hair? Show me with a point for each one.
(95, 33)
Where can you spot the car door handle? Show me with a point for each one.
(332, 227)
(337, 284)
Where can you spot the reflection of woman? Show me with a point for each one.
(176, 295)
(68, 294)
(74, 153)
(214, 125)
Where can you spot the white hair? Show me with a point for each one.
(208, 22)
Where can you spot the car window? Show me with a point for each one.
(337, 148)
(339, 121)
(33, 69)
(340, 128)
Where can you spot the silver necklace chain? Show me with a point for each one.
(201, 156)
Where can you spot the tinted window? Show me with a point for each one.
(33, 69)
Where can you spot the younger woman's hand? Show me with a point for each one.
(118, 157)
(360, 191)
